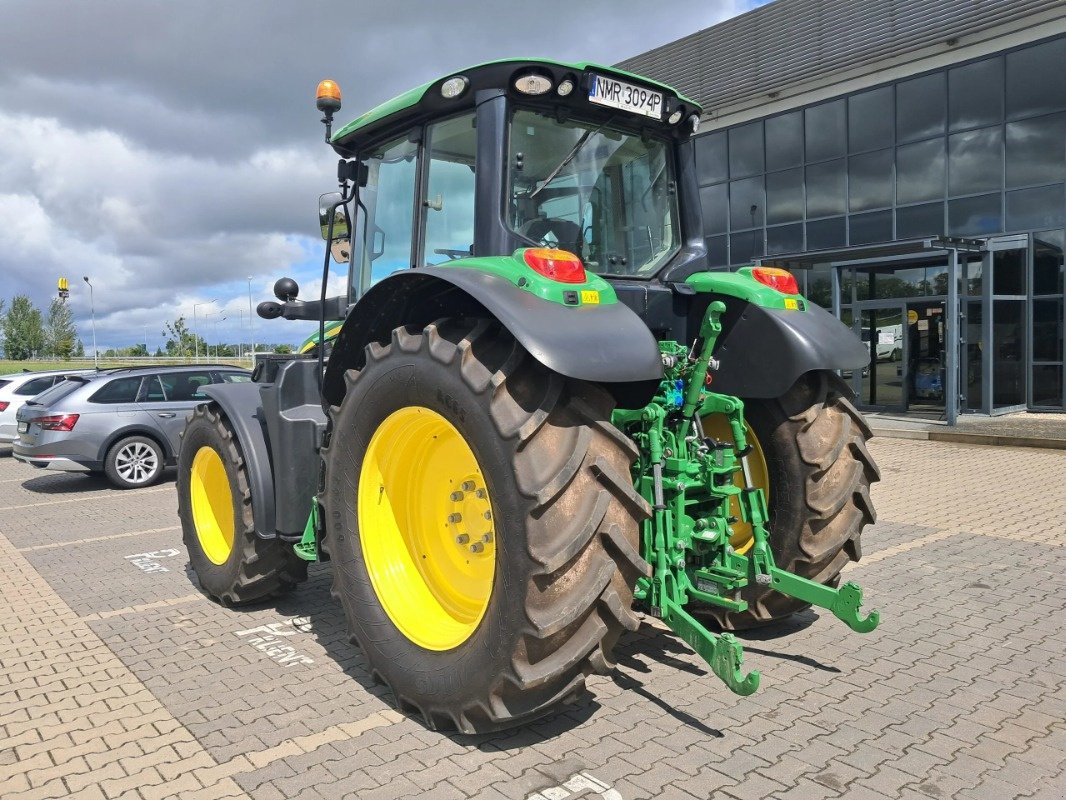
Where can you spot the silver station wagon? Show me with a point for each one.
(124, 422)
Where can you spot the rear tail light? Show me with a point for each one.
(780, 279)
(59, 422)
(3, 405)
(557, 265)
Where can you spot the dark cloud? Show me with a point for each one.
(172, 149)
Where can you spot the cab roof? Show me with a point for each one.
(425, 101)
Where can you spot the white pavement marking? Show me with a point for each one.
(578, 782)
(121, 612)
(149, 562)
(93, 539)
(110, 496)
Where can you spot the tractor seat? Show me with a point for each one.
(551, 232)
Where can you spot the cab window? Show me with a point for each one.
(448, 204)
(383, 239)
(184, 386)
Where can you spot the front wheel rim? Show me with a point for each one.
(426, 528)
(136, 462)
(211, 503)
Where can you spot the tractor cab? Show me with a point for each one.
(512, 155)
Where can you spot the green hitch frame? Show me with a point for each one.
(689, 481)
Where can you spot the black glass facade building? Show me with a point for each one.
(865, 195)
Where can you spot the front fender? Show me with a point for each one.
(606, 344)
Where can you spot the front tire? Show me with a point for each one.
(819, 470)
(233, 565)
(485, 647)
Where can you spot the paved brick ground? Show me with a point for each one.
(118, 679)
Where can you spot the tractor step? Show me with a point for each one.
(307, 547)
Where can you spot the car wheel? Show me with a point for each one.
(134, 462)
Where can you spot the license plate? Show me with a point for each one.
(625, 96)
(23, 427)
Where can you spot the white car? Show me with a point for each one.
(17, 388)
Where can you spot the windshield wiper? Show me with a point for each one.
(569, 157)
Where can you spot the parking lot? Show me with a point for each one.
(117, 678)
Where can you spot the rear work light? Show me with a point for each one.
(3, 405)
(780, 279)
(59, 422)
(557, 265)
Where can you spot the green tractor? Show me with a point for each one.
(535, 411)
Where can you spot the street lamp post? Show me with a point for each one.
(196, 328)
(218, 341)
(92, 311)
(251, 319)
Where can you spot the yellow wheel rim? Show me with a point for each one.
(717, 425)
(426, 528)
(212, 505)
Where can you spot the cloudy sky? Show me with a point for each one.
(171, 150)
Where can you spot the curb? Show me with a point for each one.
(958, 437)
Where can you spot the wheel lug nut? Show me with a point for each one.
(486, 537)
(462, 538)
(456, 496)
(487, 515)
(480, 494)
(477, 547)
(468, 486)
(453, 518)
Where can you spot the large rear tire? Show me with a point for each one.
(232, 564)
(814, 443)
(458, 421)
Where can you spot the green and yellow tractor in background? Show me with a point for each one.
(535, 411)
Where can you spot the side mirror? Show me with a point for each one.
(340, 222)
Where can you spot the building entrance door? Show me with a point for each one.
(925, 365)
(881, 382)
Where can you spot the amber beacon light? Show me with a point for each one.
(328, 96)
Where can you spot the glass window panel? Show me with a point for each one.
(1036, 80)
(784, 141)
(920, 172)
(712, 165)
(784, 239)
(1036, 150)
(1008, 353)
(745, 247)
(1047, 330)
(1048, 262)
(974, 354)
(973, 275)
(1008, 272)
(868, 228)
(871, 119)
(975, 161)
(717, 255)
(715, 203)
(746, 203)
(745, 150)
(975, 94)
(826, 233)
(1047, 386)
(973, 216)
(825, 188)
(920, 107)
(1028, 209)
(820, 286)
(915, 222)
(824, 130)
(870, 183)
(784, 196)
(449, 199)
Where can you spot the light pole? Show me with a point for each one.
(251, 321)
(92, 311)
(146, 341)
(196, 326)
(218, 341)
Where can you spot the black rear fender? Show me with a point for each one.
(605, 344)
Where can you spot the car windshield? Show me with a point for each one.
(605, 195)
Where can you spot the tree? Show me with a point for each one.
(60, 333)
(23, 330)
(181, 341)
(79, 350)
(283, 348)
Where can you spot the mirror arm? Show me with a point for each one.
(343, 203)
